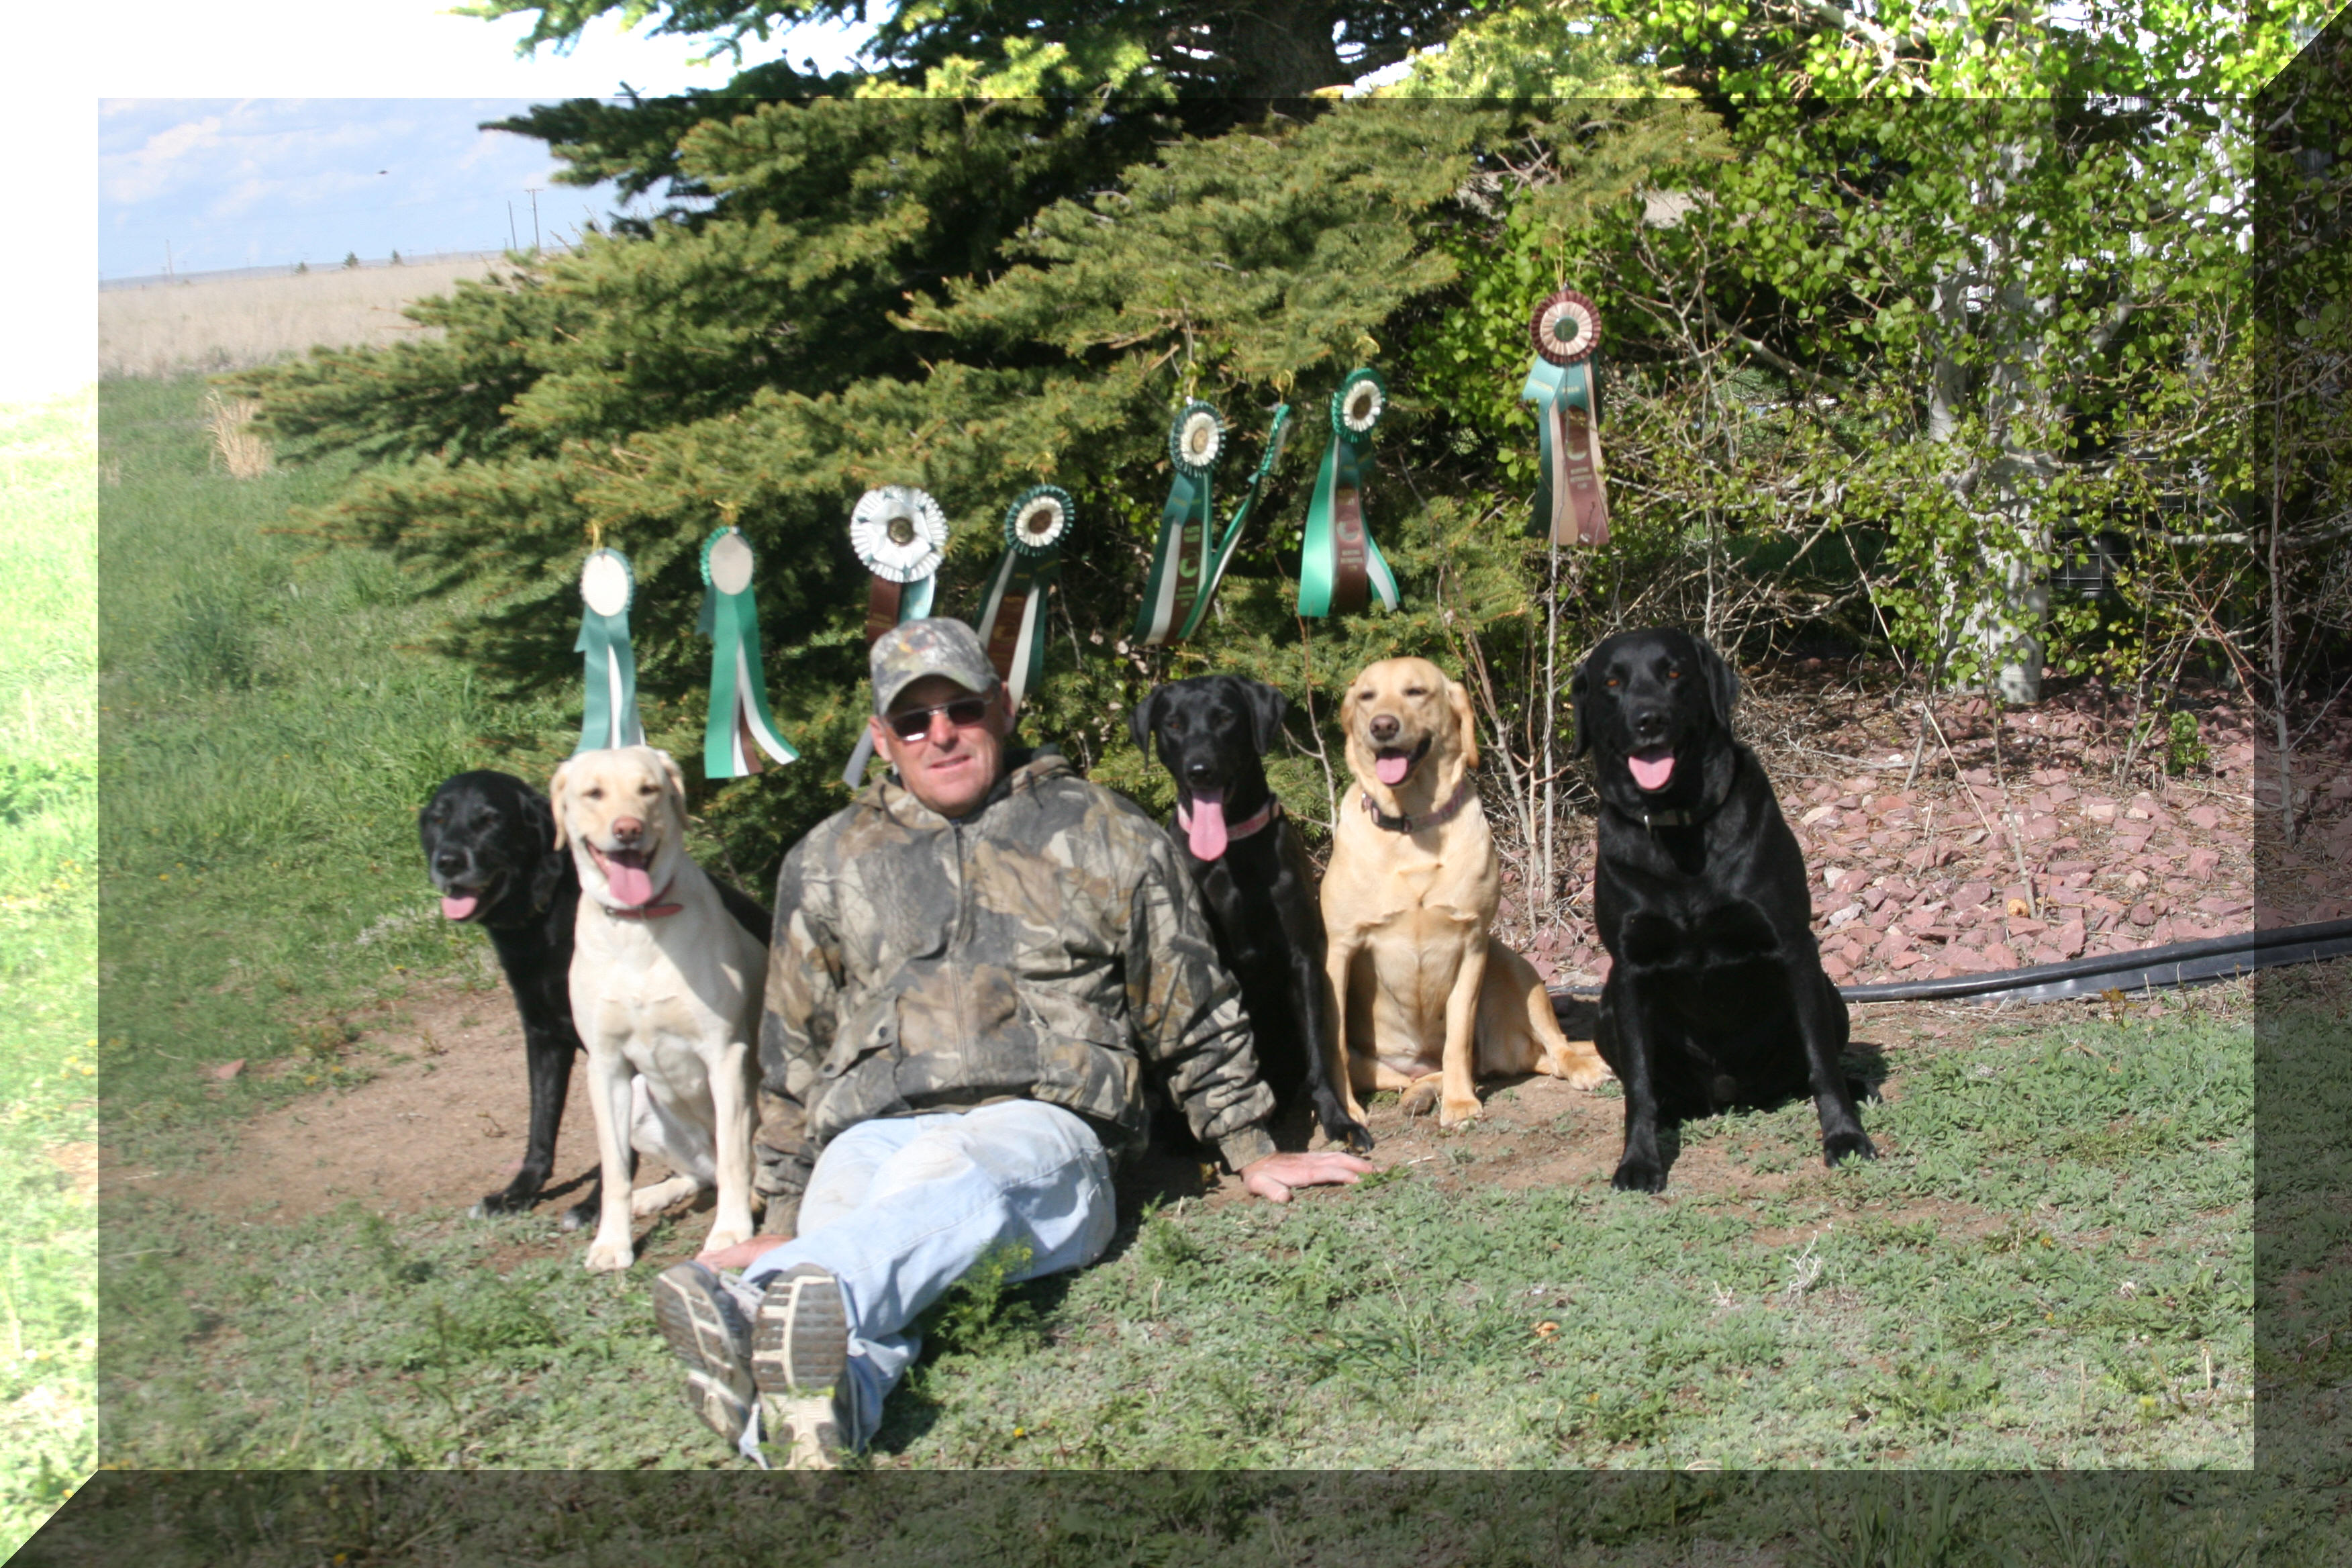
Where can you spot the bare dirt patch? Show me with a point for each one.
(441, 1123)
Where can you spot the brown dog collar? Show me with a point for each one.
(1254, 822)
(1444, 814)
(652, 912)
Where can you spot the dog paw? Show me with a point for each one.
(1843, 1146)
(1454, 1113)
(1638, 1176)
(1420, 1100)
(610, 1256)
(580, 1215)
(724, 1236)
(1355, 1138)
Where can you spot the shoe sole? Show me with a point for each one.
(719, 1387)
(800, 1349)
(800, 1341)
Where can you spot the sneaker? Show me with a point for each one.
(706, 1326)
(800, 1348)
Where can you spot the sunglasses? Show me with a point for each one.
(915, 723)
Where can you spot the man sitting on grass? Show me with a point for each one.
(970, 962)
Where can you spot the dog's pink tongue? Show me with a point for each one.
(461, 906)
(1392, 767)
(1207, 832)
(1653, 771)
(627, 878)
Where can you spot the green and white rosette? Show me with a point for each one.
(740, 727)
(1180, 564)
(901, 535)
(1275, 438)
(1012, 615)
(1571, 505)
(1341, 565)
(609, 711)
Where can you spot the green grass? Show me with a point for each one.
(270, 727)
(1962, 1302)
(48, 918)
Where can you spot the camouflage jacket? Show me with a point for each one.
(1039, 949)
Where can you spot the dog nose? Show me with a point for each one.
(449, 862)
(1198, 773)
(1384, 728)
(1648, 723)
(628, 829)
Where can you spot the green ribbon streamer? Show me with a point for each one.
(609, 713)
(1030, 577)
(1180, 562)
(1552, 387)
(1275, 437)
(738, 691)
(1347, 465)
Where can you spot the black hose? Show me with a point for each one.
(2177, 963)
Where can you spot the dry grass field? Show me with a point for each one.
(232, 323)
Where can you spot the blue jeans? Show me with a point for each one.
(897, 1209)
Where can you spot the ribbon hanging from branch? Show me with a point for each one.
(608, 713)
(740, 727)
(1180, 563)
(1571, 503)
(1341, 565)
(1012, 615)
(901, 535)
(1224, 555)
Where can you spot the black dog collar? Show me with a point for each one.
(1444, 814)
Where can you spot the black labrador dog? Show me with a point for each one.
(1716, 995)
(1251, 868)
(489, 845)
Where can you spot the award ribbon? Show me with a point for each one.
(1340, 563)
(1571, 504)
(1012, 615)
(608, 714)
(1275, 438)
(900, 533)
(740, 727)
(1181, 562)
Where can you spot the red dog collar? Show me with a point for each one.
(1254, 822)
(651, 912)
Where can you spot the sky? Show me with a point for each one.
(265, 131)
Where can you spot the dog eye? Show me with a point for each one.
(1416, 692)
(596, 792)
(1674, 675)
(1612, 681)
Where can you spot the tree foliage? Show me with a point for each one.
(1859, 361)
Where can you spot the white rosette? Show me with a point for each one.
(899, 533)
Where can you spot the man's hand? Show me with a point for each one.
(1272, 1177)
(743, 1253)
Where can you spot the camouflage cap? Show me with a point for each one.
(913, 649)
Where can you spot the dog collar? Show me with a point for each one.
(652, 912)
(1251, 824)
(1444, 814)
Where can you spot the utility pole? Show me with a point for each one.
(534, 218)
(167, 259)
(512, 243)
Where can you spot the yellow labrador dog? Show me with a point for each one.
(665, 985)
(1432, 1003)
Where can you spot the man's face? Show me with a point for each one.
(951, 767)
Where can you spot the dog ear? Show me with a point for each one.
(673, 790)
(1580, 705)
(1140, 721)
(556, 789)
(547, 870)
(1722, 685)
(1466, 723)
(1266, 705)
